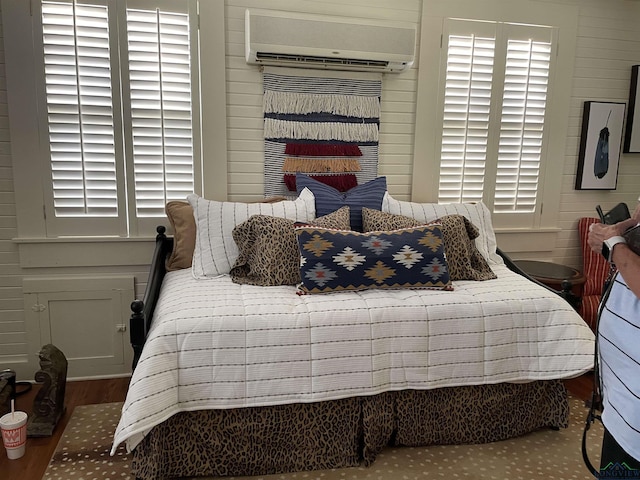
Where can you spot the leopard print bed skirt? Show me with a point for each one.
(343, 433)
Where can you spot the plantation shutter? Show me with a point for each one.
(467, 109)
(524, 101)
(114, 164)
(78, 73)
(494, 102)
(160, 114)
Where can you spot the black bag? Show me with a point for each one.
(7, 390)
(617, 214)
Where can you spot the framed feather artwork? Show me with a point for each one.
(632, 130)
(600, 145)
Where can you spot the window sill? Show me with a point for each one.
(118, 251)
(84, 251)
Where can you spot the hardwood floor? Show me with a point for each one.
(40, 450)
(581, 386)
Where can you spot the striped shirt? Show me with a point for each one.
(619, 347)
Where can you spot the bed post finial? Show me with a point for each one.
(137, 306)
(161, 229)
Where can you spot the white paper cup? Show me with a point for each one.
(14, 433)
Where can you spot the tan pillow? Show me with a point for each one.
(463, 257)
(268, 247)
(180, 215)
(277, 198)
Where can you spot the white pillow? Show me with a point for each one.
(477, 213)
(215, 250)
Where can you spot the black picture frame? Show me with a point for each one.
(600, 145)
(631, 134)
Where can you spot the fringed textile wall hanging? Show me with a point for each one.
(324, 124)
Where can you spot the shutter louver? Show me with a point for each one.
(522, 125)
(161, 109)
(467, 104)
(79, 107)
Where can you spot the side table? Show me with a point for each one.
(561, 278)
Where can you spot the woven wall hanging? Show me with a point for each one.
(324, 124)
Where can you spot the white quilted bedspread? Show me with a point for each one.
(216, 344)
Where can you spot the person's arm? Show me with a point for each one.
(627, 262)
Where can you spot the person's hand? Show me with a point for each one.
(599, 232)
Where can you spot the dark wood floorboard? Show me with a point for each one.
(581, 386)
(40, 450)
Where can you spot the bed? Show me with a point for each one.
(245, 379)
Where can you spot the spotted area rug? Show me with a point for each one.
(83, 451)
(83, 454)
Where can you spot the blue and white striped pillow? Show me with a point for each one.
(328, 199)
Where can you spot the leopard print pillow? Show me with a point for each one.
(464, 260)
(268, 247)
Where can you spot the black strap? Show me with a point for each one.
(591, 417)
(596, 404)
(596, 395)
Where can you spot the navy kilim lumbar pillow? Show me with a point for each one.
(335, 260)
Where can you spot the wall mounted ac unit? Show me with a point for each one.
(318, 41)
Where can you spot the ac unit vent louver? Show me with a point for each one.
(328, 61)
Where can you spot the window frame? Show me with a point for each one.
(59, 226)
(36, 250)
(426, 146)
(127, 222)
(501, 33)
(26, 116)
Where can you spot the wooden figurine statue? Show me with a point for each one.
(48, 405)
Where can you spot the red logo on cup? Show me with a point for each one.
(14, 437)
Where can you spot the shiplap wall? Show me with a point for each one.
(608, 44)
(15, 352)
(12, 331)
